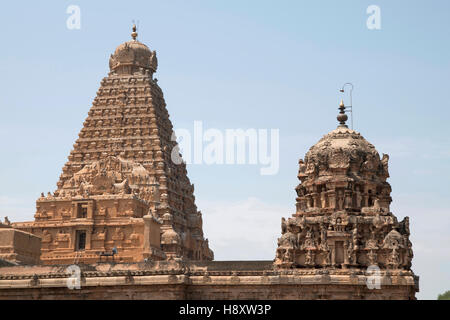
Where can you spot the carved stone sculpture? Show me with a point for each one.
(343, 217)
(119, 165)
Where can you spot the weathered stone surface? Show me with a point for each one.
(18, 246)
(119, 171)
(196, 280)
(343, 218)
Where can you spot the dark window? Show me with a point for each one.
(81, 240)
(339, 255)
(82, 210)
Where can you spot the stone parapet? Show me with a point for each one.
(170, 280)
(19, 247)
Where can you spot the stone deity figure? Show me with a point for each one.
(385, 163)
(301, 169)
(376, 205)
(359, 198)
(323, 199)
(310, 169)
(288, 239)
(339, 225)
(309, 258)
(309, 240)
(323, 235)
(405, 226)
(279, 256)
(372, 257)
(328, 257)
(394, 259)
(101, 235)
(350, 252)
(340, 200)
(288, 256)
(118, 234)
(46, 237)
(368, 164)
(409, 254)
(283, 225)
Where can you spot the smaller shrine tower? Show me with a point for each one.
(343, 220)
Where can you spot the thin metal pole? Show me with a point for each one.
(351, 99)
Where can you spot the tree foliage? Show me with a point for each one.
(444, 296)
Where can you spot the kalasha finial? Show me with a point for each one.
(134, 33)
(342, 117)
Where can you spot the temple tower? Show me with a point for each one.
(120, 187)
(342, 218)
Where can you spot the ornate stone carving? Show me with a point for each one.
(46, 237)
(118, 234)
(62, 236)
(121, 166)
(343, 217)
(99, 235)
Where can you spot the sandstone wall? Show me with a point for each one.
(18, 246)
(217, 280)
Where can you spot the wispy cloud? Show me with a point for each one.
(17, 208)
(245, 229)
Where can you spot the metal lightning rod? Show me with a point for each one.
(350, 107)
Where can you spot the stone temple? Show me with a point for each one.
(124, 216)
(119, 187)
(343, 219)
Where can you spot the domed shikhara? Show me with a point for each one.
(343, 170)
(342, 217)
(133, 57)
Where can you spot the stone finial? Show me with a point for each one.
(342, 117)
(134, 33)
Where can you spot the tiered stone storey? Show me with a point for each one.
(343, 218)
(120, 187)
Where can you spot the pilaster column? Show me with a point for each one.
(90, 210)
(147, 220)
(88, 238)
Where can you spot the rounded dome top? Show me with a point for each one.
(132, 56)
(343, 171)
(342, 140)
(169, 236)
(135, 46)
(342, 150)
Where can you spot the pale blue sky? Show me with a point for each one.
(243, 64)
